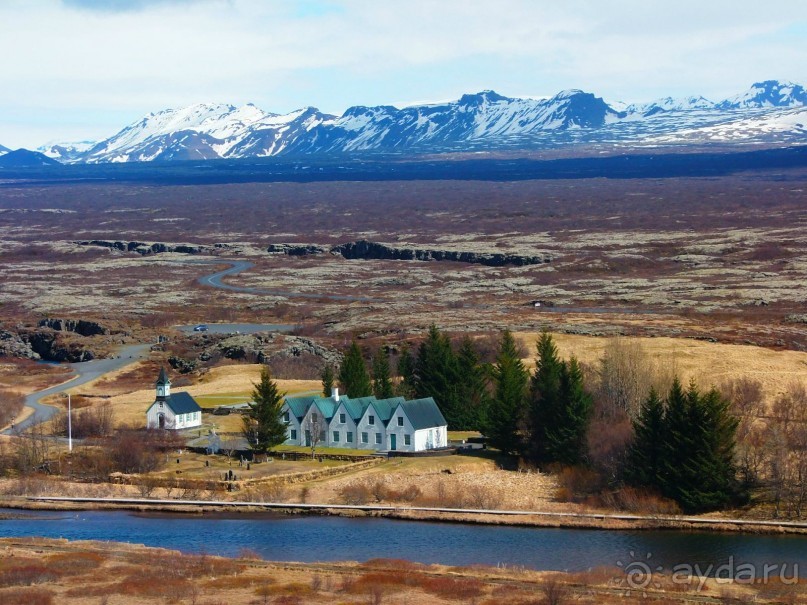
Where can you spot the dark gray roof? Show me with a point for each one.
(163, 377)
(423, 413)
(182, 403)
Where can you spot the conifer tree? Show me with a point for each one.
(437, 375)
(382, 382)
(353, 376)
(473, 394)
(263, 427)
(646, 453)
(545, 399)
(406, 371)
(560, 407)
(327, 380)
(507, 407)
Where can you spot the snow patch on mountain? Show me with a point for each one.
(483, 120)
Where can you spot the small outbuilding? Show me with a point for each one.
(172, 411)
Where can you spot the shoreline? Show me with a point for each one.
(537, 519)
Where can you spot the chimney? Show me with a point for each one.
(335, 393)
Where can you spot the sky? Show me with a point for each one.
(83, 69)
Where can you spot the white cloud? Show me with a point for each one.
(129, 57)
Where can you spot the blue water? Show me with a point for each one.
(314, 538)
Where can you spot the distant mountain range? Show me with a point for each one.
(23, 158)
(769, 112)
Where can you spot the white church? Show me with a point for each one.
(172, 411)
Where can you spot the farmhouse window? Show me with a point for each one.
(400, 420)
(349, 437)
(322, 435)
(378, 438)
(364, 438)
(336, 436)
(286, 417)
(293, 434)
(342, 418)
(407, 439)
(371, 420)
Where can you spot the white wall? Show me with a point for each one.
(292, 424)
(371, 429)
(400, 432)
(343, 427)
(172, 421)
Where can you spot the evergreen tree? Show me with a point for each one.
(406, 370)
(545, 399)
(688, 455)
(353, 376)
(327, 380)
(561, 408)
(473, 393)
(382, 383)
(262, 426)
(437, 375)
(646, 453)
(676, 443)
(507, 408)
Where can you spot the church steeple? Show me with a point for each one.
(163, 385)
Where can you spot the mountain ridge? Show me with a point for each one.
(768, 111)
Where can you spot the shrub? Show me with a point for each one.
(460, 589)
(26, 596)
(26, 575)
(355, 493)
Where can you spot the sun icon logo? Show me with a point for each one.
(638, 574)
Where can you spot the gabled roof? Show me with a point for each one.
(385, 407)
(423, 413)
(299, 405)
(162, 379)
(326, 405)
(182, 403)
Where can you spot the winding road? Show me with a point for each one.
(238, 266)
(86, 371)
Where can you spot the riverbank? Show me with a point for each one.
(538, 519)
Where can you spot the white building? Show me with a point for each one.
(173, 412)
(365, 423)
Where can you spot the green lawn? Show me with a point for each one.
(323, 450)
(214, 401)
(459, 435)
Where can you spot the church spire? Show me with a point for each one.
(163, 385)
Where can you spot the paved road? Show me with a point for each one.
(238, 266)
(85, 371)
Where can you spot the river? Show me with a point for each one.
(313, 538)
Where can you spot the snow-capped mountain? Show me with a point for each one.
(770, 93)
(66, 152)
(768, 111)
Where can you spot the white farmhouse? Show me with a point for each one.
(393, 424)
(174, 412)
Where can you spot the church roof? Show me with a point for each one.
(182, 403)
(162, 379)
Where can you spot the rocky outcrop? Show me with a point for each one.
(50, 348)
(366, 250)
(144, 248)
(13, 345)
(296, 249)
(264, 348)
(77, 326)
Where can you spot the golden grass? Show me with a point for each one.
(708, 363)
